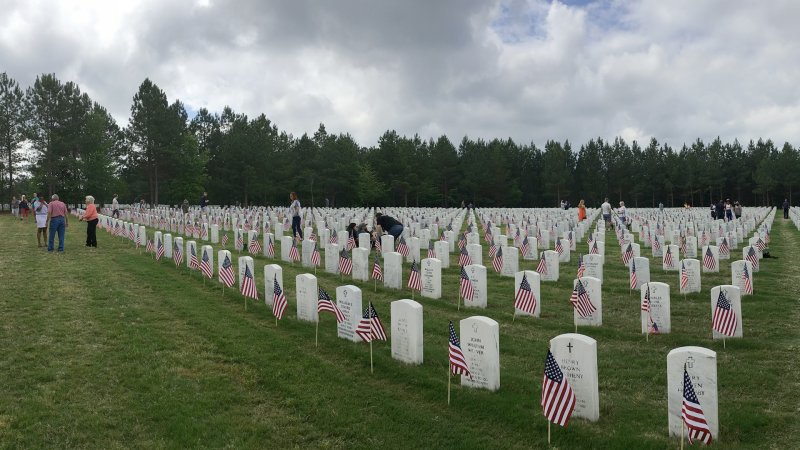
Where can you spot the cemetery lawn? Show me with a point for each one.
(106, 348)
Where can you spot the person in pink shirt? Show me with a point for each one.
(90, 216)
(57, 216)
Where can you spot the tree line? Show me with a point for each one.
(54, 138)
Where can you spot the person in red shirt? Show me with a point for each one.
(91, 218)
(57, 216)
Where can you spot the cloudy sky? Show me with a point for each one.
(530, 70)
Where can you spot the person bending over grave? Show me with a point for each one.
(354, 230)
(388, 224)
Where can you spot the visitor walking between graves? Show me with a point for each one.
(91, 219)
(713, 211)
(720, 208)
(728, 210)
(737, 209)
(204, 202)
(23, 207)
(389, 225)
(581, 211)
(57, 216)
(786, 208)
(185, 206)
(294, 210)
(115, 207)
(661, 206)
(40, 212)
(14, 206)
(606, 209)
(621, 212)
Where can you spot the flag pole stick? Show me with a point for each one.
(459, 298)
(548, 432)
(316, 336)
(371, 370)
(448, 383)
(682, 434)
(723, 343)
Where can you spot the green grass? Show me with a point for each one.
(109, 349)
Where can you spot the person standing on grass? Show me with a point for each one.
(204, 202)
(114, 207)
(606, 209)
(91, 219)
(786, 208)
(40, 212)
(294, 211)
(14, 206)
(57, 216)
(23, 207)
(581, 211)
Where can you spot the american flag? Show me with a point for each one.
(463, 257)
(581, 267)
(370, 327)
(351, 242)
(224, 240)
(465, 289)
(559, 247)
(458, 364)
(525, 300)
(159, 249)
(414, 282)
(204, 231)
(487, 236)
(723, 247)
(345, 263)
(760, 244)
(378, 247)
(431, 251)
(325, 303)
(517, 238)
(193, 263)
(558, 399)
(708, 260)
(149, 247)
(633, 277)
(492, 250)
(131, 232)
(646, 299)
(226, 272)
(402, 248)
(594, 250)
(240, 239)
(627, 254)
(748, 283)
(684, 277)
(278, 299)
(724, 319)
(497, 262)
(462, 241)
(683, 246)
(315, 258)
(668, 261)
(580, 300)
(205, 266)
(525, 246)
(692, 413)
(177, 254)
(270, 247)
(248, 288)
(541, 268)
(294, 255)
(377, 273)
(752, 256)
(656, 244)
(589, 239)
(255, 246)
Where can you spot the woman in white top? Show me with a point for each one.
(621, 212)
(41, 221)
(294, 210)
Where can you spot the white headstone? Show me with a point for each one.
(307, 297)
(701, 366)
(576, 355)
(510, 261)
(387, 243)
(431, 278)
(593, 288)
(393, 270)
(286, 247)
(245, 261)
(475, 252)
(754, 260)
(642, 266)
(167, 245)
(691, 247)
(413, 250)
(407, 331)
(593, 266)
(710, 258)
(671, 259)
(267, 239)
(209, 252)
(535, 283)
(191, 248)
(692, 269)
(214, 234)
(332, 258)
(737, 273)
(657, 321)
(442, 250)
(221, 255)
(307, 248)
(477, 276)
(361, 264)
(564, 256)
(348, 299)
(142, 235)
(533, 250)
(480, 343)
(551, 261)
(735, 300)
(272, 272)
